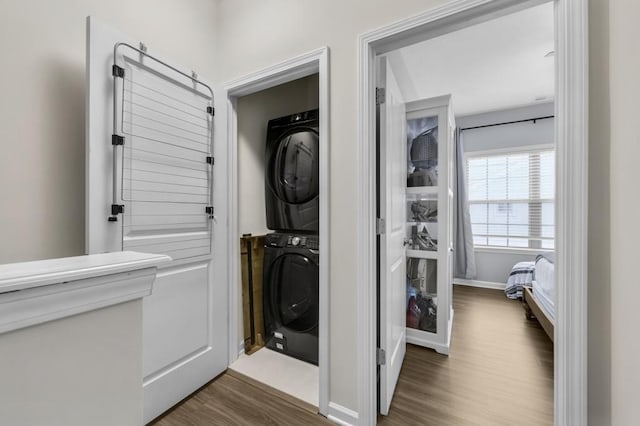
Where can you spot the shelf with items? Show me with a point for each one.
(424, 209)
(422, 294)
(422, 236)
(422, 224)
(423, 161)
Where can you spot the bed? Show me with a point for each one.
(538, 299)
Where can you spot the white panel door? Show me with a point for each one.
(163, 178)
(392, 205)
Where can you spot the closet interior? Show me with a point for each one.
(278, 205)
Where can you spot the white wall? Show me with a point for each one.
(495, 265)
(42, 109)
(624, 68)
(511, 135)
(254, 112)
(80, 370)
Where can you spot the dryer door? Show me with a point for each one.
(293, 166)
(292, 180)
(294, 292)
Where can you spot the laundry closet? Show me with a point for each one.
(278, 224)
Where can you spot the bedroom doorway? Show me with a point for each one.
(570, 222)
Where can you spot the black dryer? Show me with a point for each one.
(291, 181)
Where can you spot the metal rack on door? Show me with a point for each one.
(162, 161)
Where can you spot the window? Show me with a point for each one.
(511, 199)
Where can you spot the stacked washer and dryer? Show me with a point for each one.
(291, 292)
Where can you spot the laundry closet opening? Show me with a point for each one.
(278, 194)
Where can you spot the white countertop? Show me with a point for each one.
(24, 275)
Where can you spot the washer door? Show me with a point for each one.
(293, 166)
(293, 282)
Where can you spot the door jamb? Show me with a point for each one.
(571, 105)
(316, 61)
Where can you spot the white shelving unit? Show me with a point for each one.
(429, 251)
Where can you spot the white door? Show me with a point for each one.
(392, 204)
(163, 176)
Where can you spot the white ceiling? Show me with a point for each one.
(491, 66)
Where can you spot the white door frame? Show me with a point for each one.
(571, 107)
(316, 61)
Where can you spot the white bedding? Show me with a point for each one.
(544, 288)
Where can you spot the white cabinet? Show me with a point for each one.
(429, 231)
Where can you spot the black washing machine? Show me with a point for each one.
(291, 296)
(291, 181)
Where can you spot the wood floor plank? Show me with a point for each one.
(499, 372)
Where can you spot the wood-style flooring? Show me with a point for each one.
(232, 399)
(499, 372)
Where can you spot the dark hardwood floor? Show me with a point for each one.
(499, 372)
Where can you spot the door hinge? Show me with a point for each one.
(381, 95)
(209, 210)
(381, 356)
(211, 110)
(210, 160)
(380, 226)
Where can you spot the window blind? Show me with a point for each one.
(511, 199)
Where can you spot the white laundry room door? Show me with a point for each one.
(150, 188)
(392, 204)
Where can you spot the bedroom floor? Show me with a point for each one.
(499, 372)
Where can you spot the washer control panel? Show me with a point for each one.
(292, 241)
(296, 241)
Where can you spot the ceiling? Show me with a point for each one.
(494, 65)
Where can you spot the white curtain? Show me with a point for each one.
(464, 254)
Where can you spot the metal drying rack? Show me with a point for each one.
(117, 138)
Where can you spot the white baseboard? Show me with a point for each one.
(480, 284)
(342, 415)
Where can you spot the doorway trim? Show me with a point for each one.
(316, 61)
(571, 110)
